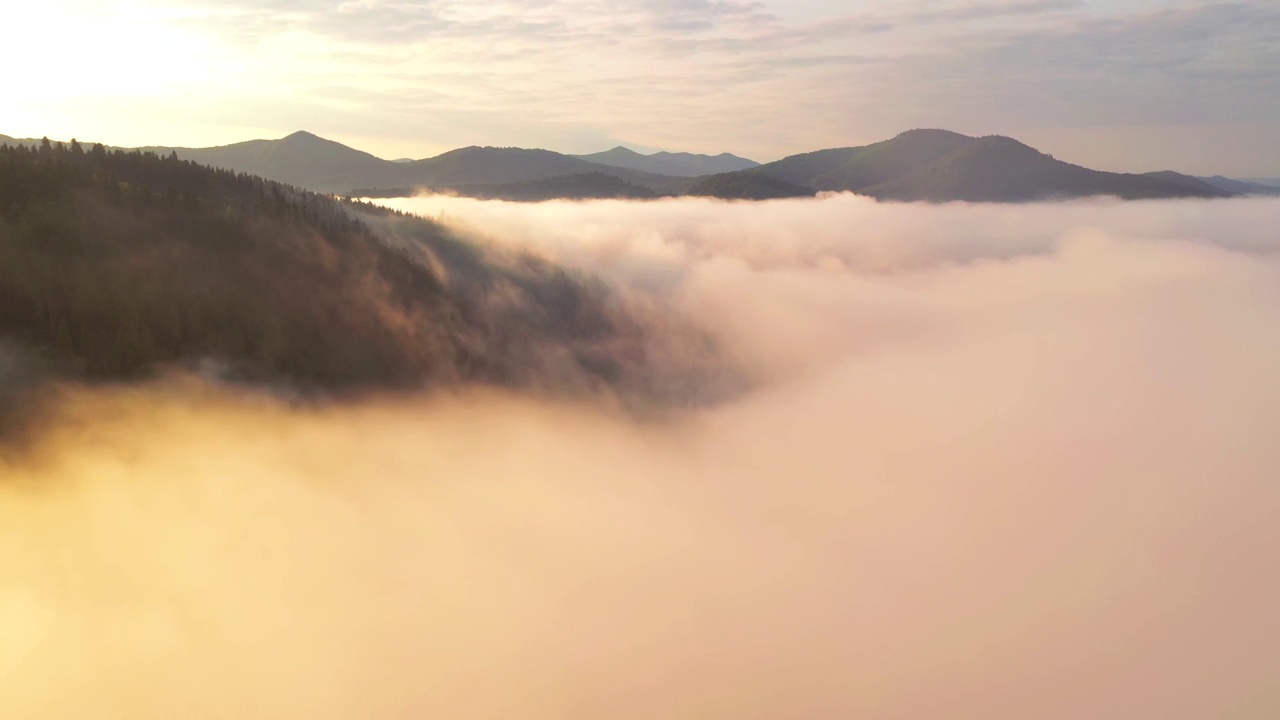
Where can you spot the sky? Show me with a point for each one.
(1129, 85)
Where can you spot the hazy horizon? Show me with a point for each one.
(635, 148)
(392, 157)
(1125, 85)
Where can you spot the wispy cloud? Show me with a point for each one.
(714, 75)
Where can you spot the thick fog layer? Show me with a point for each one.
(999, 462)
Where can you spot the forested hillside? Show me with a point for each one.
(115, 264)
(746, 186)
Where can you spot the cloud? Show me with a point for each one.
(1003, 462)
(968, 11)
(419, 78)
(1194, 64)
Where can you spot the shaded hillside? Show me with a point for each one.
(935, 165)
(567, 187)
(890, 159)
(1000, 169)
(115, 264)
(1241, 187)
(938, 165)
(1189, 181)
(804, 169)
(746, 186)
(300, 159)
(321, 165)
(587, 186)
(492, 166)
(672, 164)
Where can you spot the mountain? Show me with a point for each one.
(1241, 187)
(492, 165)
(114, 265)
(314, 163)
(939, 166)
(14, 142)
(923, 164)
(585, 186)
(1000, 169)
(562, 187)
(1188, 181)
(300, 159)
(672, 164)
(890, 160)
(743, 186)
(804, 169)
(1269, 182)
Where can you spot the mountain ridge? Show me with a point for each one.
(922, 164)
(1241, 187)
(118, 265)
(935, 165)
(676, 164)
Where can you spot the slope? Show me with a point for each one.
(747, 186)
(1241, 187)
(890, 159)
(300, 159)
(586, 186)
(114, 265)
(672, 164)
(1191, 182)
(1001, 169)
(314, 163)
(939, 165)
(804, 169)
(492, 165)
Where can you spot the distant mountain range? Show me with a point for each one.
(1244, 187)
(584, 186)
(672, 164)
(917, 165)
(321, 165)
(938, 166)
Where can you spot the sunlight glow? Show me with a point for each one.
(122, 49)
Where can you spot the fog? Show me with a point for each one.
(996, 462)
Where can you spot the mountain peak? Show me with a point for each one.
(303, 136)
(681, 164)
(930, 133)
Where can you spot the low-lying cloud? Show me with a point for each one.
(1000, 462)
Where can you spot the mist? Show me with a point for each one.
(995, 462)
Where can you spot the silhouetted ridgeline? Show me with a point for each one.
(585, 186)
(917, 165)
(943, 166)
(114, 264)
(744, 186)
(670, 164)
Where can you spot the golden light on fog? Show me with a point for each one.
(1016, 462)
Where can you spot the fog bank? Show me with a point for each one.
(1001, 462)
